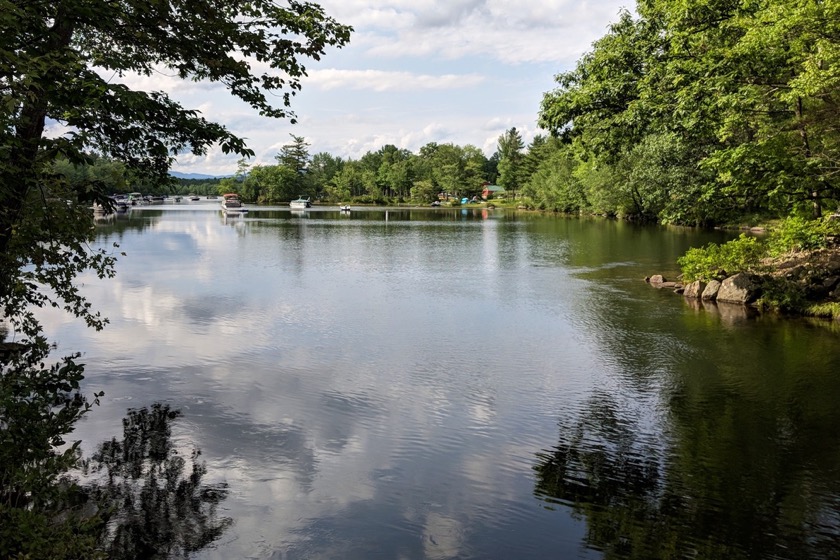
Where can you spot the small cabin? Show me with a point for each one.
(489, 191)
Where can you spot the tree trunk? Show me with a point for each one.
(806, 146)
(20, 174)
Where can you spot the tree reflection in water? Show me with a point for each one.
(155, 503)
(701, 496)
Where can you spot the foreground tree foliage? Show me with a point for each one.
(143, 497)
(39, 503)
(61, 100)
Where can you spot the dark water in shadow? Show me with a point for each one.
(465, 384)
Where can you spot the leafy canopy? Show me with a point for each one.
(748, 88)
(62, 57)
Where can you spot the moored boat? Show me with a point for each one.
(300, 203)
(120, 203)
(231, 204)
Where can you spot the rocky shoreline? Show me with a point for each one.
(813, 276)
(743, 288)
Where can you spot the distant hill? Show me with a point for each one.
(179, 175)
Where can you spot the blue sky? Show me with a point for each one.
(414, 72)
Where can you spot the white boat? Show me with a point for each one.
(300, 203)
(136, 198)
(344, 208)
(232, 205)
(120, 202)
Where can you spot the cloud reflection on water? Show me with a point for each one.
(385, 386)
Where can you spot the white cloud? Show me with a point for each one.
(383, 81)
(414, 72)
(508, 31)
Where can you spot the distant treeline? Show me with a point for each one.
(196, 186)
(112, 177)
(389, 174)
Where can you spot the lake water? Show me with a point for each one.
(439, 383)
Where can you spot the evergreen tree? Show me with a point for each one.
(294, 158)
(511, 158)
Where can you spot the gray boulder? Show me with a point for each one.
(695, 289)
(741, 288)
(711, 291)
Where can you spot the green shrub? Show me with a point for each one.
(794, 234)
(828, 310)
(780, 294)
(798, 234)
(714, 261)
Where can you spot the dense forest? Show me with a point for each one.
(700, 113)
(697, 113)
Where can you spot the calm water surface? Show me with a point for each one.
(464, 384)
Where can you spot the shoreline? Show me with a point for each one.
(799, 284)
